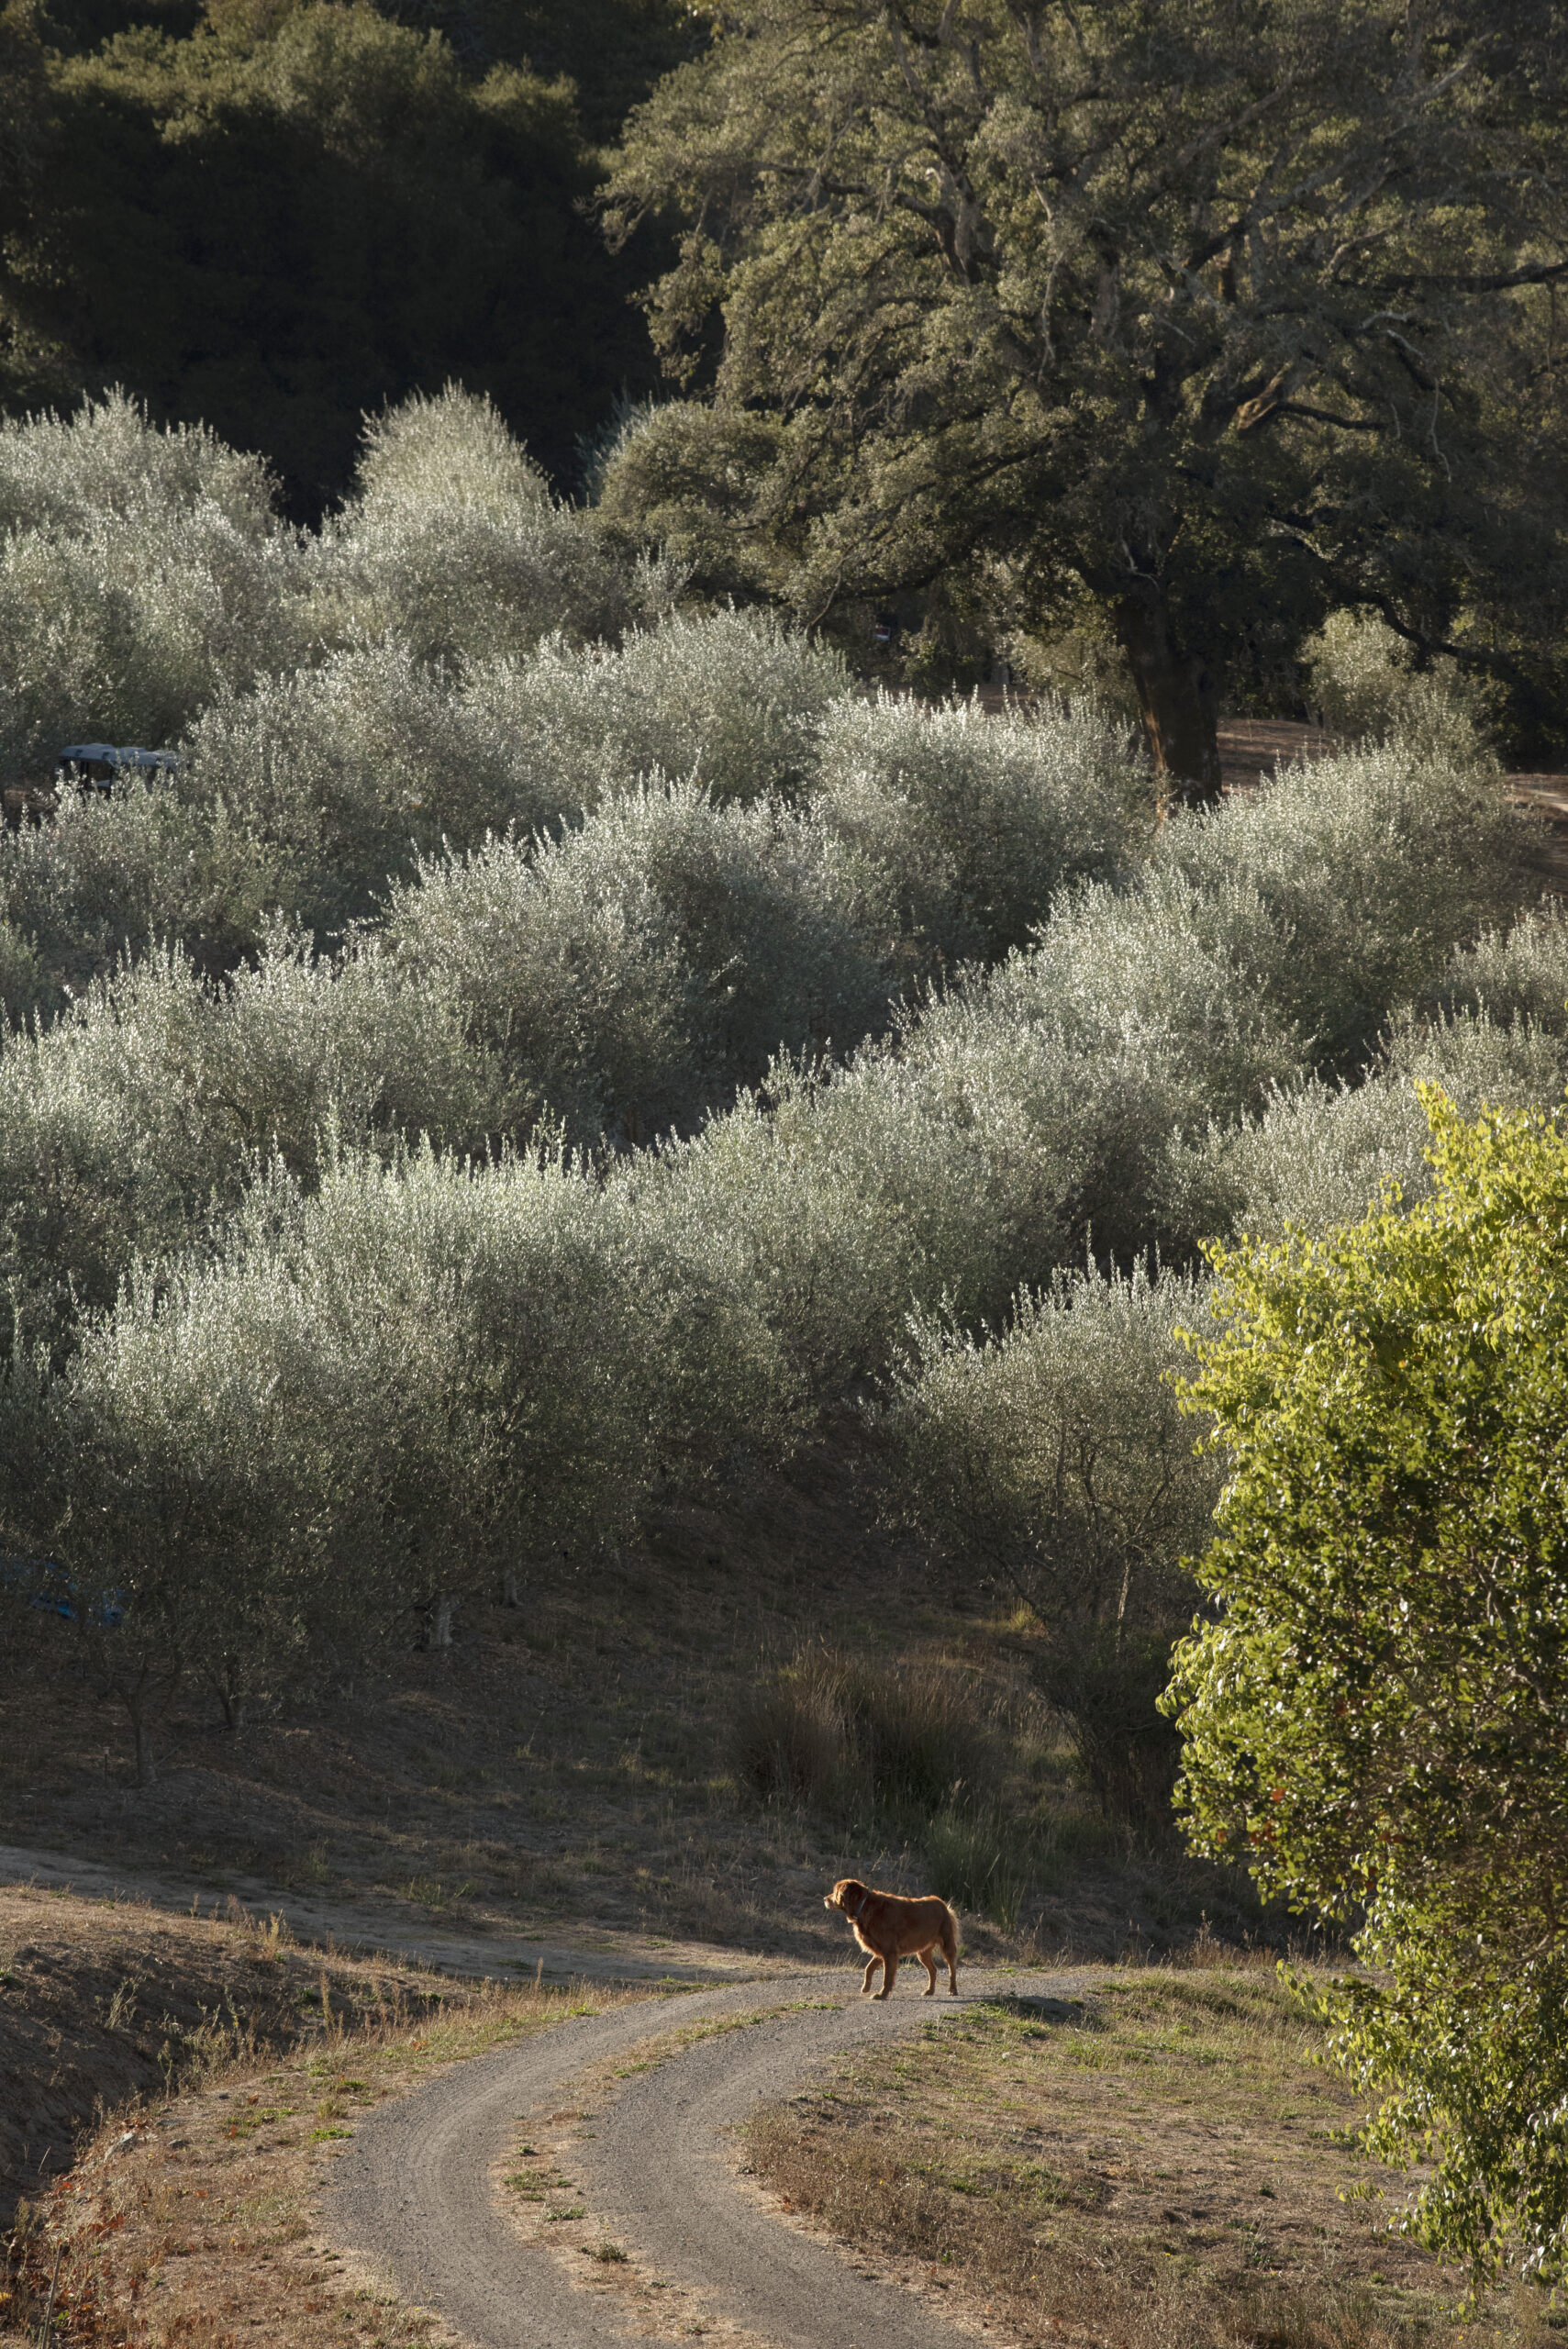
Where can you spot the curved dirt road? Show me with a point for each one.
(415, 2189)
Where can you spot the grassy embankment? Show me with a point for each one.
(1162, 2166)
(204, 2073)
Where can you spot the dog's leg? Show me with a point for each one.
(872, 1965)
(889, 1975)
(929, 1962)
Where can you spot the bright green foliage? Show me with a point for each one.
(1375, 1721)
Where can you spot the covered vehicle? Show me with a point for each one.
(98, 766)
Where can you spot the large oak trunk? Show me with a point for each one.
(1176, 694)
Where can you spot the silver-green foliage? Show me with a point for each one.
(1318, 1153)
(1521, 972)
(732, 699)
(140, 572)
(414, 1377)
(138, 1117)
(380, 1391)
(636, 971)
(67, 473)
(1053, 1463)
(962, 828)
(452, 542)
(1366, 686)
(111, 876)
(1054, 1455)
(1104, 1086)
(1373, 867)
(352, 771)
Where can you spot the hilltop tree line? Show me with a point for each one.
(1126, 344)
(272, 216)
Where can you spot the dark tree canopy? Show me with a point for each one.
(1221, 311)
(272, 216)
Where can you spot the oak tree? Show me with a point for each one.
(1219, 313)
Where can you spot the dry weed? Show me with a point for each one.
(1162, 2167)
(188, 2222)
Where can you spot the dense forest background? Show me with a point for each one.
(272, 216)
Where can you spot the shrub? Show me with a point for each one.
(1374, 1722)
(682, 475)
(637, 971)
(453, 544)
(977, 1859)
(964, 826)
(734, 700)
(1373, 866)
(1367, 686)
(67, 474)
(140, 570)
(142, 1113)
(351, 772)
(840, 1201)
(1318, 1155)
(1513, 973)
(852, 1739)
(24, 990)
(121, 630)
(1062, 1074)
(1053, 1462)
(111, 875)
(392, 1390)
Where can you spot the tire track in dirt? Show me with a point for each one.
(415, 2189)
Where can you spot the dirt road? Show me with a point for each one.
(419, 2191)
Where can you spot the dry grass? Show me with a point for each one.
(105, 2002)
(189, 2223)
(572, 1770)
(1160, 2167)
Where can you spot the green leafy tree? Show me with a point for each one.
(1217, 313)
(1375, 1721)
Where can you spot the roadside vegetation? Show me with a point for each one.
(1164, 2161)
(209, 2069)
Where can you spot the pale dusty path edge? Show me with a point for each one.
(363, 1929)
(413, 2190)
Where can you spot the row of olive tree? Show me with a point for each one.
(419, 1381)
(145, 573)
(1169, 1056)
(938, 835)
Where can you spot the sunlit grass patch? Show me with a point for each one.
(1162, 2162)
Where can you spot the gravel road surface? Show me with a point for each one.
(415, 2188)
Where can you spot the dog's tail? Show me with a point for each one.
(952, 1923)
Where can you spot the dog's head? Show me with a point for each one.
(847, 1894)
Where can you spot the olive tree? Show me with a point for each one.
(1052, 1462)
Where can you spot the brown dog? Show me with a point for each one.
(890, 1928)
